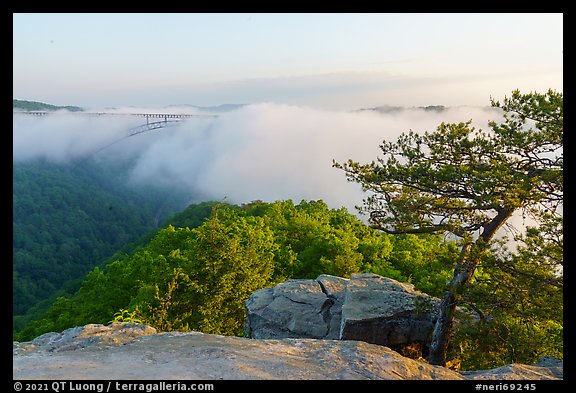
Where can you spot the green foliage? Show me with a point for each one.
(316, 240)
(193, 215)
(199, 278)
(424, 260)
(507, 340)
(456, 178)
(72, 220)
(519, 297)
(127, 316)
(207, 274)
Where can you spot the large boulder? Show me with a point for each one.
(366, 307)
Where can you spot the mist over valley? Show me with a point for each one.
(261, 151)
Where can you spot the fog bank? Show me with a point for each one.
(256, 152)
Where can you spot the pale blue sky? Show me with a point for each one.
(329, 61)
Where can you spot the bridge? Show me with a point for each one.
(169, 120)
(164, 116)
(174, 118)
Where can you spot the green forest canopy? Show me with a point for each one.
(66, 221)
(294, 241)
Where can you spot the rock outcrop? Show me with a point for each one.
(135, 352)
(366, 307)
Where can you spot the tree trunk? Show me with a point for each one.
(443, 327)
(469, 258)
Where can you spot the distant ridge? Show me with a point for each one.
(393, 109)
(34, 106)
(218, 109)
(29, 106)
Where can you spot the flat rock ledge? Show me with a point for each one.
(123, 351)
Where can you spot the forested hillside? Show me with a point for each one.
(66, 220)
(24, 105)
(218, 254)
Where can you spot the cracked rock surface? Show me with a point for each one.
(129, 352)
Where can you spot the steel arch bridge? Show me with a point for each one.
(169, 120)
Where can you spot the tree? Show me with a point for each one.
(201, 277)
(468, 183)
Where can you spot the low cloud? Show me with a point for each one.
(257, 152)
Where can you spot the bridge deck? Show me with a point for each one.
(147, 115)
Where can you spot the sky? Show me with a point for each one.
(340, 61)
